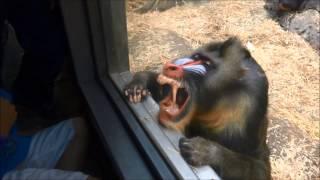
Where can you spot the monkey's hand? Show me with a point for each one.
(198, 151)
(136, 92)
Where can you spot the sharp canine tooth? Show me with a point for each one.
(175, 85)
(163, 80)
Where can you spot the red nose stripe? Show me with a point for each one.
(173, 71)
(176, 71)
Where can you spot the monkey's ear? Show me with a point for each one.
(232, 50)
(231, 46)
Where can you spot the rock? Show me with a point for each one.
(310, 4)
(154, 47)
(305, 21)
(306, 24)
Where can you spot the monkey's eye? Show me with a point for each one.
(208, 63)
(196, 56)
(199, 56)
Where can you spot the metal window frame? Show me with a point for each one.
(139, 148)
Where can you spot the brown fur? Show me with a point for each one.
(225, 113)
(181, 125)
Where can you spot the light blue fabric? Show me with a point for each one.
(6, 95)
(47, 146)
(36, 155)
(44, 174)
(13, 151)
(14, 148)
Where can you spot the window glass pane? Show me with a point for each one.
(282, 36)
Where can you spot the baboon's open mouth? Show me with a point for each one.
(175, 100)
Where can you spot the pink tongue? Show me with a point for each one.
(173, 109)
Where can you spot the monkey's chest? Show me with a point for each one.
(219, 119)
(223, 115)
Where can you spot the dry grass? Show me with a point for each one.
(292, 168)
(292, 66)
